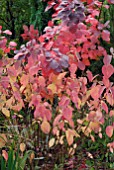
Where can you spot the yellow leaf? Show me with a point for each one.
(45, 127)
(9, 102)
(2, 100)
(75, 146)
(22, 147)
(95, 126)
(22, 88)
(71, 151)
(6, 112)
(3, 140)
(51, 142)
(52, 87)
(61, 140)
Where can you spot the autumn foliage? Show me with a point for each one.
(44, 73)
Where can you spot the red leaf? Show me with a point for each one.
(7, 50)
(89, 1)
(41, 39)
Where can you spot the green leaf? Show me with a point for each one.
(3, 164)
(22, 161)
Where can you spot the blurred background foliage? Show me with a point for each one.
(16, 13)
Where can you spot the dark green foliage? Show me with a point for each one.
(108, 14)
(38, 17)
(105, 15)
(16, 13)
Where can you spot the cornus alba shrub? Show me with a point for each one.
(43, 74)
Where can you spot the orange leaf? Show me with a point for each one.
(69, 137)
(95, 92)
(110, 99)
(70, 133)
(3, 140)
(45, 127)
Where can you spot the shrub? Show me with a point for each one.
(43, 75)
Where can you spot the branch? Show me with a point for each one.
(4, 21)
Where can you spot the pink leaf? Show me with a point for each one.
(106, 82)
(95, 92)
(111, 113)
(57, 119)
(110, 99)
(106, 35)
(89, 75)
(67, 113)
(111, 1)
(73, 69)
(107, 70)
(13, 44)
(5, 155)
(7, 32)
(109, 131)
(81, 65)
(104, 106)
(33, 70)
(107, 59)
(64, 101)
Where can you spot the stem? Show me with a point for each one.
(101, 10)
